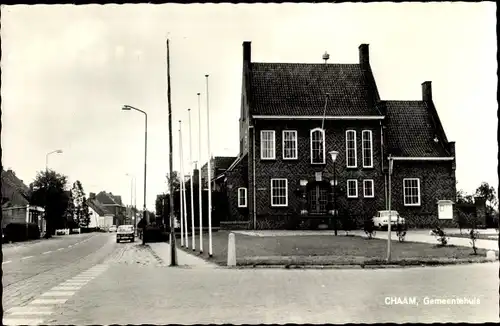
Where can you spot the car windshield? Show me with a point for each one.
(125, 228)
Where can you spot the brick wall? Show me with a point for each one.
(13, 215)
(237, 178)
(437, 182)
(295, 170)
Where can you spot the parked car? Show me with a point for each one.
(112, 228)
(381, 219)
(125, 232)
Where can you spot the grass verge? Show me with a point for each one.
(323, 250)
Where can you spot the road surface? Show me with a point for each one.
(97, 281)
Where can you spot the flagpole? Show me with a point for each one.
(181, 192)
(209, 177)
(191, 179)
(183, 178)
(200, 185)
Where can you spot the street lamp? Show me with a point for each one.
(145, 215)
(334, 155)
(57, 151)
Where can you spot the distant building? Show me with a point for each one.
(16, 207)
(108, 207)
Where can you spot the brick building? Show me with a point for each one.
(293, 115)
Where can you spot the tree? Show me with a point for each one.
(464, 198)
(84, 214)
(47, 190)
(78, 196)
(176, 181)
(490, 195)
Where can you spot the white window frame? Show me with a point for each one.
(347, 132)
(363, 148)
(418, 189)
(286, 192)
(356, 183)
(244, 197)
(372, 187)
(273, 138)
(295, 144)
(322, 132)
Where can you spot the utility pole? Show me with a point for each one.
(173, 251)
(391, 165)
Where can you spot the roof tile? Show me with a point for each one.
(410, 132)
(300, 89)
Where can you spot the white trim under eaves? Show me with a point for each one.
(396, 158)
(317, 117)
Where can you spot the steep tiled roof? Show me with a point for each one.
(410, 132)
(108, 199)
(224, 162)
(97, 207)
(218, 163)
(299, 89)
(14, 189)
(237, 162)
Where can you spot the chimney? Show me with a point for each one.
(427, 91)
(91, 195)
(364, 55)
(247, 52)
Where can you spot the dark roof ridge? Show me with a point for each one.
(402, 101)
(308, 63)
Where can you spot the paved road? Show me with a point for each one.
(31, 268)
(133, 286)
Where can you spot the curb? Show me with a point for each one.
(346, 266)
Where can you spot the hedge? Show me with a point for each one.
(21, 232)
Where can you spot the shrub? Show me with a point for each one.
(347, 223)
(155, 234)
(401, 231)
(369, 228)
(440, 236)
(473, 235)
(22, 232)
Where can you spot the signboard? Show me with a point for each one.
(319, 176)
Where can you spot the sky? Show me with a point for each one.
(67, 71)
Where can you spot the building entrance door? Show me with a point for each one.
(318, 198)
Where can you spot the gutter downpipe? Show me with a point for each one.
(253, 177)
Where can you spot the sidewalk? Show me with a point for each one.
(162, 249)
(412, 236)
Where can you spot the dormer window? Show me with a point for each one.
(318, 146)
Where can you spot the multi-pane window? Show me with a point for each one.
(267, 145)
(352, 188)
(411, 192)
(279, 192)
(242, 197)
(367, 145)
(351, 155)
(318, 146)
(368, 188)
(289, 144)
